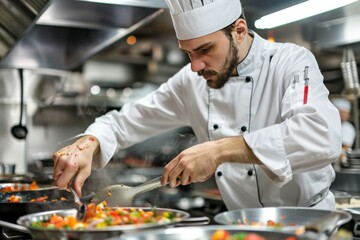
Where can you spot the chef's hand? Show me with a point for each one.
(199, 162)
(75, 159)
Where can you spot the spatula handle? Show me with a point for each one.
(148, 186)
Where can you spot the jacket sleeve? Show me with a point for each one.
(308, 137)
(159, 111)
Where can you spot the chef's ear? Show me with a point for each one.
(240, 29)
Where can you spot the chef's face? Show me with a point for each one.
(344, 115)
(213, 56)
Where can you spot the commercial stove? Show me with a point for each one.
(197, 201)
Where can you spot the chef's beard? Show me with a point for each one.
(221, 77)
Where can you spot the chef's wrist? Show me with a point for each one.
(88, 142)
(229, 150)
(235, 149)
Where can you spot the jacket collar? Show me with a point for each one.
(252, 63)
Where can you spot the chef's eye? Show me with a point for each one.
(204, 50)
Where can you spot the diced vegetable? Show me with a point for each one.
(225, 235)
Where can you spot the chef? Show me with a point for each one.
(348, 131)
(260, 111)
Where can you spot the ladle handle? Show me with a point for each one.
(147, 186)
(21, 76)
(194, 221)
(14, 226)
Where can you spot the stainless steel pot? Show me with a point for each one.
(293, 219)
(95, 234)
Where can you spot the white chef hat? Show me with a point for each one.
(197, 18)
(341, 104)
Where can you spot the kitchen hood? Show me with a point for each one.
(15, 18)
(62, 34)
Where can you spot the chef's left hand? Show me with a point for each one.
(195, 164)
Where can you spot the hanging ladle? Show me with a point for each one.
(20, 131)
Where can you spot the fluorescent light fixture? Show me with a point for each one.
(298, 12)
(139, 3)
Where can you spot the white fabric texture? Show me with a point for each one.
(348, 133)
(197, 18)
(295, 142)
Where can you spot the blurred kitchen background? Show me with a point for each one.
(83, 58)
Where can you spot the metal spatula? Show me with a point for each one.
(82, 208)
(123, 196)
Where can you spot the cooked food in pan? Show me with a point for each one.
(19, 187)
(99, 217)
(226, 235)
(17, 199)
(268, 223)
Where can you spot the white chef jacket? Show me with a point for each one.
(296, 142)
(348, 133)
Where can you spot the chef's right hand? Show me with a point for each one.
(75, 159)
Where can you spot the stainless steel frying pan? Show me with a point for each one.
(292, 219)
(94, 234)
(10, 211)
(205, 233)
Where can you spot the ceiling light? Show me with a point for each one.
(139, 3)
(298, 12)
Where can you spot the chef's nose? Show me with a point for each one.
(197, 64)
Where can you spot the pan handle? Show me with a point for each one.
(194, 221)
(326, 225)
(14, 226)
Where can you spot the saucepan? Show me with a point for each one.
(209, 233)
(56, 199)
(286, 219)
(180, 217)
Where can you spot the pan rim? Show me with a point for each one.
(26, 221)
(345, 217)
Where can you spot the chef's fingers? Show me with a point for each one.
(167, 169)
(57, 156)
(175, 177)
(184, 178)
(68, 172)
(60, 160)
(81, 176)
